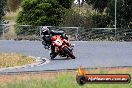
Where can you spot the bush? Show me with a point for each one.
(39, 13)
(44, 12)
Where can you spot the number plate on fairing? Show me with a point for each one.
(58, 42)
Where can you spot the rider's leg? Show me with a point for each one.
(53, 54)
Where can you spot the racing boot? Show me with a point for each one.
(53, 55)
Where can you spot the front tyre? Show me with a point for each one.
(68, 52)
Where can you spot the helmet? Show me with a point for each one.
(45, 30)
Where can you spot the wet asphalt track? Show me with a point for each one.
(88, 54)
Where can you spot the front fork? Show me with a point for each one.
(71, 46)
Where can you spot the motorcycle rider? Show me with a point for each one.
(47, 42)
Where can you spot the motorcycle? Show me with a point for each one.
(62, 47)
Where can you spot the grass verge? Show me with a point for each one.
(61, 79)
(11, 59)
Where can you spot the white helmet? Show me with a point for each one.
(45, 29)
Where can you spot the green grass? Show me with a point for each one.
(12, 59)
(66, 80)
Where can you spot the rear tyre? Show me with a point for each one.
(68, 52)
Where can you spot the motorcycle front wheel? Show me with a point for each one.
(68, 52)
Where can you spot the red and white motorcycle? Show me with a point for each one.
(62, 47)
